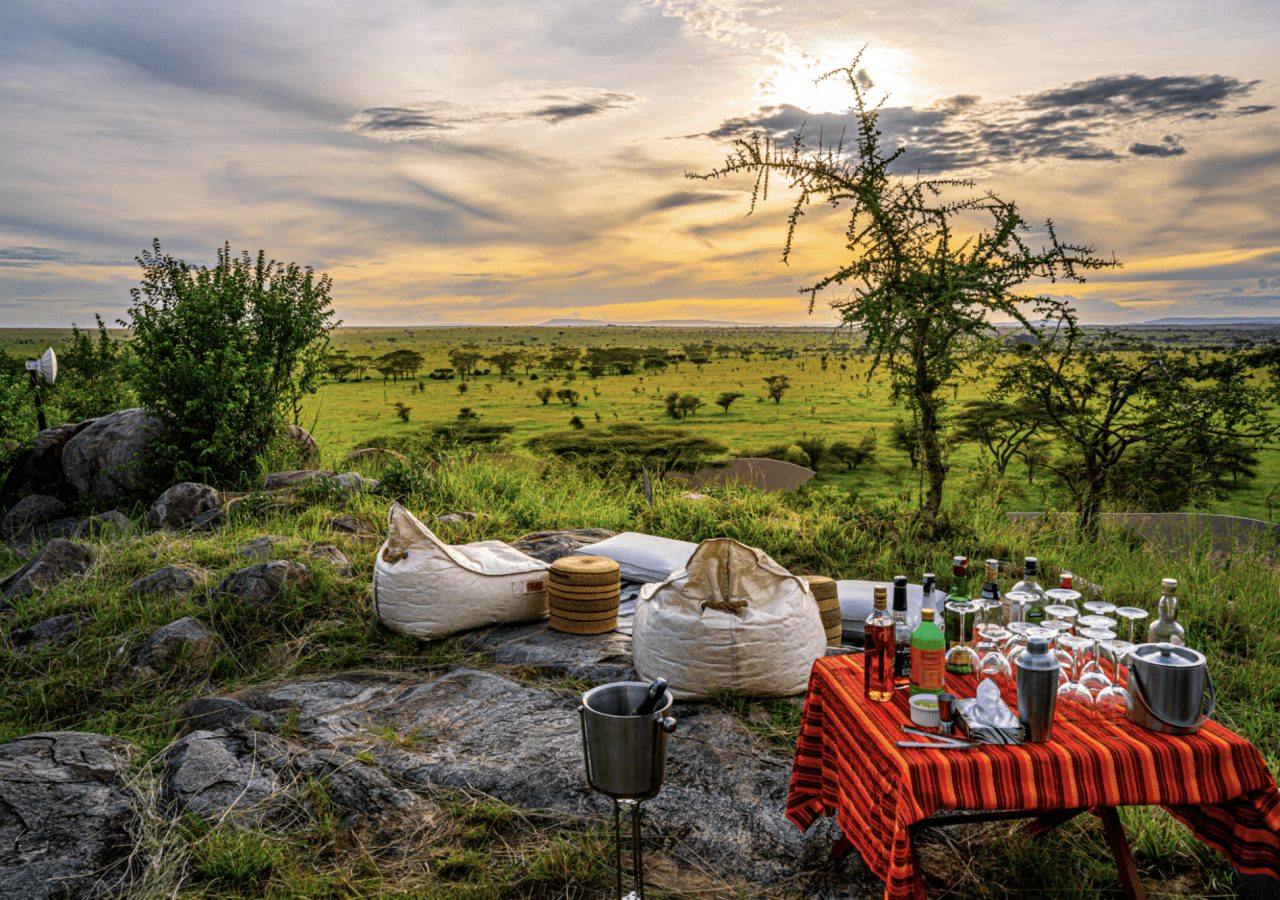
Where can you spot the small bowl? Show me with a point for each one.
(924, 710)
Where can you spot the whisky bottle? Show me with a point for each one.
(878, 650)
(928, 649)
(957, 601)
(901, 633)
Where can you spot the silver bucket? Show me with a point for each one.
(626, 755)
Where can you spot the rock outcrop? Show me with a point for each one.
(54, 630)
(30, 511)
(183, 504)
(105, 459)
(66, 816)
(187, 642)
(264, 582)
(308, 449)
(549, 546)
(169, 581)
(102, 526)
(56, 561)
(722, 807)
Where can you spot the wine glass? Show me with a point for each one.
(1072, 691)
(1113, 702)
(1064, 597)
(1017, 640)
(1134, 615)
(1063, 612)
(1093, 676)
(1094, 620)
(991, 659)
(1099, 607)
(1019, 603)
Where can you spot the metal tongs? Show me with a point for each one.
(938, 742)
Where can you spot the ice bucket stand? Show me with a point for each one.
(625, 757)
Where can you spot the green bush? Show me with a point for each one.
(627, 447)
(94, 375)
(224, 355)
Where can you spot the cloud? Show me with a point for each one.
(30, 257)
(1086, 120)
(432, 119)
(1170, 145)
(677, 199)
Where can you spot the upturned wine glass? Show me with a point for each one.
(1063, 612)
(1072, 691)
(1099, 607)
(1133, 615)
(1093, 676)
(1064, 597)
(992, 662)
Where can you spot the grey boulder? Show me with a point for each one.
(331, 556)
(105, 459)
(66, 816)
(308, 449)
(347, 524)
(169, 581)
(261, 547)
(183, 504)
(184, 642)
(354, 483)
(54, 630)
(102, 525)
(30, 511)
(263, 583)
(549, 546)
(56, 561)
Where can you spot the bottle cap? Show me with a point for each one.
(899, 580)
(960, 565)
(926, 614)
(1169, 584)
(881, 596)
(1030, 565)
(1065, 580)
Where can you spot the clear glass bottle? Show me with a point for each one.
(1030, 568)
(928, 651)
(878, 650)
(992, 602)
(1164, 629)
(959, 595)
(901, 633)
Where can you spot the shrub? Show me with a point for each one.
(94, 375)
(627, 447)
(224, 354)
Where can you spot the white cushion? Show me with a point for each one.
(645, 558)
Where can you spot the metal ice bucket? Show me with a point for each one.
(626, 755)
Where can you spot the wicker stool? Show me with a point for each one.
(583, 594)
(825, 593)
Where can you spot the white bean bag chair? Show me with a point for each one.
(429, 589)
(643, 557)
(732, 619)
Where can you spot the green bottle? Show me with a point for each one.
(928, 657)
(952, 618)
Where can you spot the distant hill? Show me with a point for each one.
(1216, 320)
(655, 323)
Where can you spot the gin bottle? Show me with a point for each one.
(901, 633)
(1165, 629)
(1029, 585)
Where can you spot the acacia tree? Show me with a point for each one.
(919, 284)
(1195, 421)
(1005, 430)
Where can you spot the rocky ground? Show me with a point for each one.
(80, 810)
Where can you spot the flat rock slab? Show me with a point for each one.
(65, 815)
(595, 659)
(549, 546)
(721, 810)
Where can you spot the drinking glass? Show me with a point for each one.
(1116, 652)
(991, 659)
(1113, 702)
(1093, 676)
(1019, 602)
(1099, 607)
(1072, 691)
(1134, 615)
(1094, 620)
(1064, 597)
(1017, 640)
(1063, 612)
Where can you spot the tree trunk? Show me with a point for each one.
(1090, 500)
(931, 456)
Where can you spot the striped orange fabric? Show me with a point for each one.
(846, 765)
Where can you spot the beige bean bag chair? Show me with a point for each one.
(430, 589)
(731, 619)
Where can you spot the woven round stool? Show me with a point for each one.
(583, 595)
(828, 599)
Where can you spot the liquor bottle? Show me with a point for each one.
(901, 633)
(1165, 629)
(928, 649)
(1066, 581)
(928, 584)
(959, 595)
(878, 650)
(992, 602)
(1028, 584)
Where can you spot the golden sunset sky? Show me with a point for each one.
(505, 163)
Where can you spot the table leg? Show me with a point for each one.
(1125, 864)
(1052, 820)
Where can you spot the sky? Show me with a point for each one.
(510, 162)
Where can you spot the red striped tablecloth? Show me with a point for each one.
(846, 765)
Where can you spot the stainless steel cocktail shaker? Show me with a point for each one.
(1037, 689)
